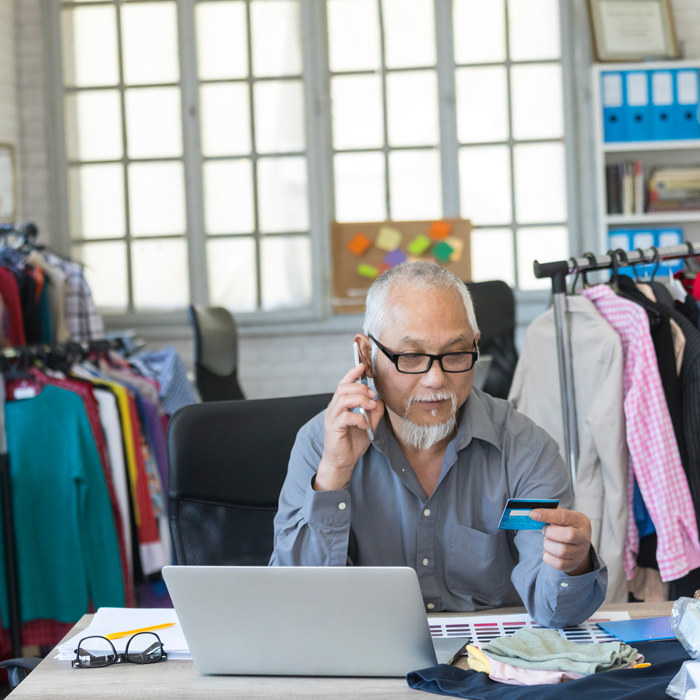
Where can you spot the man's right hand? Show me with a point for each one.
(345, 437)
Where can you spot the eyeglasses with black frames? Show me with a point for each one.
(420, 363)
(98, 652)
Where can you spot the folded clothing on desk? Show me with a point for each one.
(110, 620)
(648, 683)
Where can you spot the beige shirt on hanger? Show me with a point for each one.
(601, 482)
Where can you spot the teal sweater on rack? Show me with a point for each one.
(67, 545)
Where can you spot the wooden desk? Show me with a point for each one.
(172, 680)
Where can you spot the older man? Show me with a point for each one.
(429, 490)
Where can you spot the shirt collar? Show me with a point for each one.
(474, 422)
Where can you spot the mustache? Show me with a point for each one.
(434, 396)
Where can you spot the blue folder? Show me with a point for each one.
(648, 629)
(687, 94)
(612, 98)
(663, 110)
(637, 116)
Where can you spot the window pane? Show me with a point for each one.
(90, 46)
(279, 116)
(353, 35)
(538, 103)
(222, 40)
(415, 185)
(153, 122)
(105, 273)
(409, 30)
(479, 31)
(543, 243)
(482, 104)
(97, 201)
(94, 125)
(357, 111)
(533, 29)
(484, 184)
(156, 199)
(149, 41)
(540, 183)
(283, 194)
(492, 256)
(228, 196)
(412, 108)
(276, 37)
(225, 119)
(232, 273)
(360, 193)
(160, 276)
(286, 272)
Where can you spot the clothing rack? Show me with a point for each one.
(558, 271)
(27, 355)
(27, 233)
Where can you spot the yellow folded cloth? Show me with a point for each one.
(478, 661)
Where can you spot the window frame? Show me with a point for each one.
(319, 152)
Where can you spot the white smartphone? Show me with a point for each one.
(363, 380)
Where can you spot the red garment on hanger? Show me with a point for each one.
(10, 295)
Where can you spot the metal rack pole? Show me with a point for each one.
(558, 271)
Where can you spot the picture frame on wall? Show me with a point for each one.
(633, 30)
(8, 184)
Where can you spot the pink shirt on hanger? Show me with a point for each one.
(653, 452)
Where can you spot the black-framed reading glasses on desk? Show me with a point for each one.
(420, 363)
(98, 652)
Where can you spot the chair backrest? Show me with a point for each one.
(227, 463)
(494, 304)
(215, 353)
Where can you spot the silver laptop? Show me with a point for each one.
(305, 621)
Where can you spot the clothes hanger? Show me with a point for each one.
(592, 260)
(614, 263)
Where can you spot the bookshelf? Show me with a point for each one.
(652, 154)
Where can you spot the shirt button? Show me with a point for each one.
(425, 562)
(426, 512)
(430, 606)
(564, 584)
(342, 506)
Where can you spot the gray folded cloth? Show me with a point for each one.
(547, 650)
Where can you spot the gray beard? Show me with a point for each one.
(423, 437)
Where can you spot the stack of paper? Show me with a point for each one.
(110, 620)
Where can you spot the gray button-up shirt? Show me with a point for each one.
(464, 562)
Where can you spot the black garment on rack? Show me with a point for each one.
(31, 315)
(690, 309)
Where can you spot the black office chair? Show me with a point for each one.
(494, 304)
(227, 463)
(215, 353)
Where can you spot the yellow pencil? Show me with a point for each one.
(119, 635)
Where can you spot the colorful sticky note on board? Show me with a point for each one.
(457, 245)
(414, 258)
(369, 271)
(419, 245)
(442, 251)
(359, 244)
(439, 230)
(388, 238)
(383, 268)
(396, 257)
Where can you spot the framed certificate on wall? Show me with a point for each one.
(632, 30)
(8, 184)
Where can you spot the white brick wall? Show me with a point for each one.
(8, 77)
(32, 115)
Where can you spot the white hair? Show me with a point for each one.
(421, 275)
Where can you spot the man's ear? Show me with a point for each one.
(478, 337)
(365, 346)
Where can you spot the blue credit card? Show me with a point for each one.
(516, 514)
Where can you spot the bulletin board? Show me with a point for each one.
(362, 251)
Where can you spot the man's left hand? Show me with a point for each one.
(567, 540)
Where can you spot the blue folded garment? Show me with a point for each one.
(649, 683)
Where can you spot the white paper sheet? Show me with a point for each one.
(487, 627)
(109, 620)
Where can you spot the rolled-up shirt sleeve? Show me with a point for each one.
(552, 597)
(312, 528)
